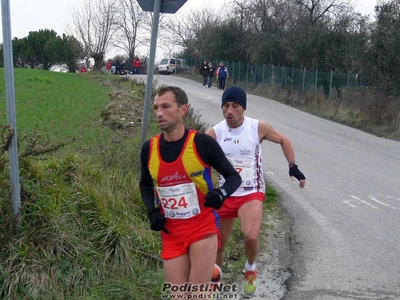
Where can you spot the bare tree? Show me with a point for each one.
(265, 24)
(129, 22)
(316, 9)
(147, 28)
(192, 30)
(95, 24)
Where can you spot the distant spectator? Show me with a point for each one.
(83, 69)
(136, 65)
(122, 72)
(211, 73)
(222, 75)
(204, 71)
(108, 66)
(117, 67)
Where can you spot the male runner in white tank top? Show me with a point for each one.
(240, 138)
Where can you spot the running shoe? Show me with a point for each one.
(215, 281)
(217, 274)
(250, 282)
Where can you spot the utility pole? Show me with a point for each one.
(11, 111)
(156, 6)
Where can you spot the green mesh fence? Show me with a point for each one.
(332, 85)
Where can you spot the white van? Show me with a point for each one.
(170, 65)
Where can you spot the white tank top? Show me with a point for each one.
(242, 147)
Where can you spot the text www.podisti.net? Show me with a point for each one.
(199, 291)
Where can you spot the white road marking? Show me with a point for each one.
(349, 204)
(342, 249)
(392, 198)
(373, 198)
(363, 201)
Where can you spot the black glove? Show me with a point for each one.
(214, 199)
(295, 172)
(157, 221)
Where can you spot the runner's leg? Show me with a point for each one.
(176, 270)
(202, 259)
(250, 215)
(225, 229)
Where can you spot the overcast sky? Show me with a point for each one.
(32, 15)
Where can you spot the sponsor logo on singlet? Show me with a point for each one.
(175, 176)
(197, 173)
(245, 151)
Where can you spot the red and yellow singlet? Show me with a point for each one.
(180, 187)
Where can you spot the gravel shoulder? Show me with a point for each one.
(274, 260)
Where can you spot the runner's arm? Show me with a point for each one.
(146, 182)
(211, 153)
(268, 133)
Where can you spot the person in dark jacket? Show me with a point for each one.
(222, 75)
(204, 72)
(118, 67)
(122, 71)
(211, 71)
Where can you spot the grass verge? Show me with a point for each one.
(83, 232)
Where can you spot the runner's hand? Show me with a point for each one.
(214, 199)
(157, 221)
(294, 172)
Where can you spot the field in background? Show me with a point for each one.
(60, 106)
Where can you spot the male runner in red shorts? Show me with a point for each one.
(240, 138)
(176, 172)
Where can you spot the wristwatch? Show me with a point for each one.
(223, 192)
(292, 164)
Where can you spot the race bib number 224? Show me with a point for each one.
(179, 201)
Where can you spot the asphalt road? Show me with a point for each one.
(346, 222)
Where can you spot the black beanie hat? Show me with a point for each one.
(236, 94)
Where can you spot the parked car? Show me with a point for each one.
(170, 65)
